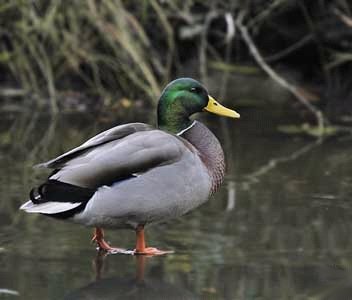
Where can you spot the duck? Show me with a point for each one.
(134, 175)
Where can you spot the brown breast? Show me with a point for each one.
(210, 152)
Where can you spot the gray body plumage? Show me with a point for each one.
(140, 175)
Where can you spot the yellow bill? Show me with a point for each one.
(216, 108)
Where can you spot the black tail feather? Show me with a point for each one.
(57, 191)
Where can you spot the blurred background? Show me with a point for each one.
(280, 226)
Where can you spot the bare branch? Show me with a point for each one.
(344, 18)
(297, 45)
(203, 45)
(275, 76)
(231, 29)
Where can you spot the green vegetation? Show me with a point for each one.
(48, 46)
(111, 50)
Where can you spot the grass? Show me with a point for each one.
(102, 46)
(120, 48)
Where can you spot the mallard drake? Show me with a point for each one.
(133, 175)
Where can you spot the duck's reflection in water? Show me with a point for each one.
(138, 286)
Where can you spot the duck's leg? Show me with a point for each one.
(141, 248)
(98, 238)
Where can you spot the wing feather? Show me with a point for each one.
(110, 162)
(109, 135)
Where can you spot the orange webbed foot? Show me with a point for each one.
(102, 245)
(141, 248)
(151, 251)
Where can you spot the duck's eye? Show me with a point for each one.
(196, 90)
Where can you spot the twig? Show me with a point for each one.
(9, 292)
(12, 92)
(275, 76)
(266, 12)
(169, 33)
(203, 45)
(231, 29)
(344, 18)
(323, 59)
(290, 49)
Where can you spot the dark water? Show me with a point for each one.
(280, 228)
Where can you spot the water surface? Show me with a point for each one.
(279, 228)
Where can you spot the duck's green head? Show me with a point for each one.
(182, 98)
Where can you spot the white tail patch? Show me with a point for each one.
(48, 207)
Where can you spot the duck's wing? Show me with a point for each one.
(82, 171)
(109, 135)
(118, 159)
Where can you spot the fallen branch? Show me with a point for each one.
(275, 76)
